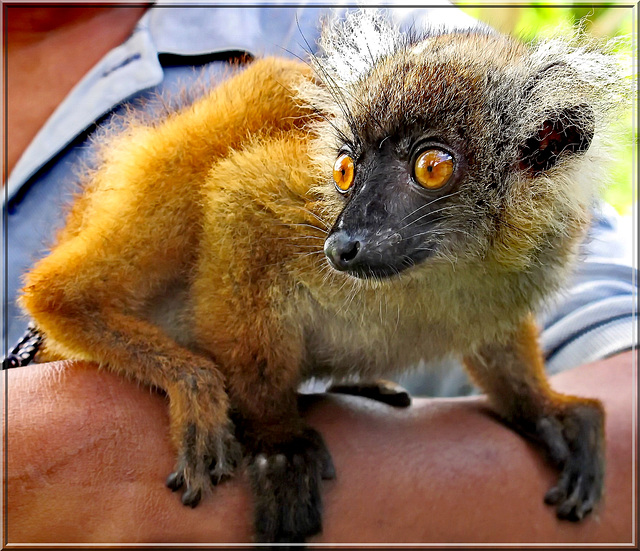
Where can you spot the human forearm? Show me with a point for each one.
(88, 453)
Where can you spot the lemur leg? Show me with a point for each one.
(287, 461)
(80, 323)
(286, 458)
(571, 428)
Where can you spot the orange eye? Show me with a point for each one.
(343, 172)
(433, 168)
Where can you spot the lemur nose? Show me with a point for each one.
(341, 249)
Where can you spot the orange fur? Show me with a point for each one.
(136, 233)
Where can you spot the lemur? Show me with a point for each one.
(400, 197)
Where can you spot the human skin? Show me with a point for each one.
(87, 454)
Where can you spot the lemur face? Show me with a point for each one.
(397, 195)
(428, 145)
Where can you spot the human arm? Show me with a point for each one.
(87, 453)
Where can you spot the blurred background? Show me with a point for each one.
(535, 20)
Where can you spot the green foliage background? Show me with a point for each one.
(535, 20)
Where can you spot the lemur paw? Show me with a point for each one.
(196, 470)
(285, 479)
(575, 442)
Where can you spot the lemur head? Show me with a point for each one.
(455, 145)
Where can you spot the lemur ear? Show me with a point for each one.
(564, 132)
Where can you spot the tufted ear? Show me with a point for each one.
(564, 132)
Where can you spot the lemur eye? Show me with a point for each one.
(343, 172)
(433, 168)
